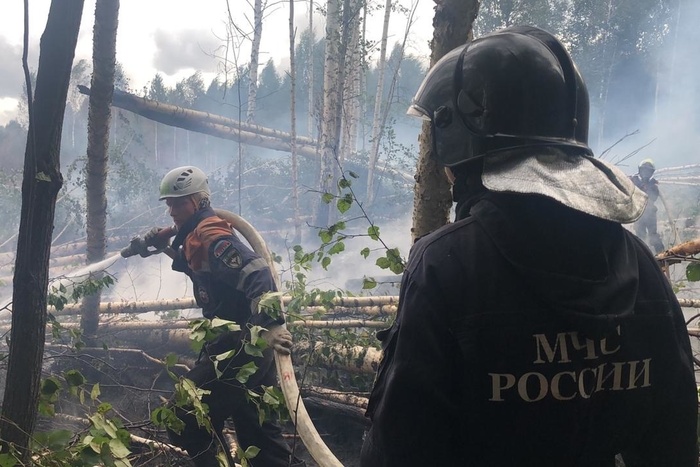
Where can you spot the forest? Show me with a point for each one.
(321, 159)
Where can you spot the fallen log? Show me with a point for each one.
(689, 248)
(386, 304)
(355, 359)
(347, 398)
(347, 412)
(225, 128)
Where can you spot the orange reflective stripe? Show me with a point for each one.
(198, 241)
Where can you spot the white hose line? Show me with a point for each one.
(285, 371)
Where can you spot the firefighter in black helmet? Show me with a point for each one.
(534, 330)
(646, 226)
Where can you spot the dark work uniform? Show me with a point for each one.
(226, 277)
(646, 226)
(530, 334)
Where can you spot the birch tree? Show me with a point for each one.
(42, 180)
(331, 107)
(310, 126)
(432, 201)
(293, 127)
(377, 120)
(99, 117)
(351, 101)
(258, 8)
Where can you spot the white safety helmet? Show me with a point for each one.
(184, 181)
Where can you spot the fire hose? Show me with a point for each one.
(285, 370)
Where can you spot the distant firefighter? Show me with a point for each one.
(645, 227)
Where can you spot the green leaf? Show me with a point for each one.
(246, 371)
(325, 235)
(344, 183)
(252, 350)
(8, 460)
(170, 359)
(368, 283)
(50, 386)
(118, 449)
(365, 252)
(373, 232)
(382, 262)
(251, 452)
(353, 174)
(224, 323)
(74, 378)
(344, 203)
(104, 407)
(327, 198)
(692, 272)
(325, 262)
(339, 247)
(225, 356)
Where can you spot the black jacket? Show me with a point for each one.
(227, 276)
(532, 334)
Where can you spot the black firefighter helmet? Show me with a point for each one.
(516, 87)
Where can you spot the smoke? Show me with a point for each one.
(659, 100)
(10, 68)
(189, 49)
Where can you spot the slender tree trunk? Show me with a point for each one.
(331, 105)
(42, 181)
(310, 124)
(155, 140)
(377, 118)
(384, 110)
(293, 127)
(351, 102)
(432, 198)
(99, 119)
(254, 60)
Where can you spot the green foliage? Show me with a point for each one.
(270, 403)
(105, 442)
(60, 295)
(247, 455)
(204, 330)
(692, 272)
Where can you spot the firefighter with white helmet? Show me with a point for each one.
(534, 330)
(228, 280)
(646, 226)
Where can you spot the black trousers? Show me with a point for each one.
(228, 399)
(646, 229)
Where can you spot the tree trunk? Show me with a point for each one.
(377, 121)
(432, 198)
(99, 118)
(41, 183)
(310, 121)
(351, 102)
(331, 108)
(293, 128)
(254, 60)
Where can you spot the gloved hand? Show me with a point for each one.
(278, 338)
(152, 239)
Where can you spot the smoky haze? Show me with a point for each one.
(659, 98)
